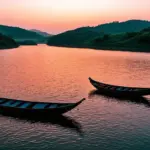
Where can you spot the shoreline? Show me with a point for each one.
(122, 49)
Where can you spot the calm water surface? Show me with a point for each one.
(43, 73)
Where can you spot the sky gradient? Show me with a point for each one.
(55, 16)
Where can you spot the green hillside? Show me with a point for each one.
(19, 33)
(132, 35)
(133, 41)
(7, 42)
(77, 37)
(121, 27)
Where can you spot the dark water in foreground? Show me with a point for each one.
(61, 75)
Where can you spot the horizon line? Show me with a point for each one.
(30, 29)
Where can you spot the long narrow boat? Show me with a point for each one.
(114, 90)
(27, 108)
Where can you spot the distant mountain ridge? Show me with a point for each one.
(41, 32)
(120, 27)
(19, 33)
(96, 37)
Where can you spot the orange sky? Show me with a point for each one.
(55, 16)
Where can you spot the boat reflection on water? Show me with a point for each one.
(60, 120)
(137, 100)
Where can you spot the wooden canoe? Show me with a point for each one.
(108, 89)
(28, 108)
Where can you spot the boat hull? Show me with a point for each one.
(112, 90)
(22, 112)
(30, 112)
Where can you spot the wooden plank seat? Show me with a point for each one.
(15, 104)
(40, 106)
(7, 103)
(25, 105)
(53, 106)
(2, 101)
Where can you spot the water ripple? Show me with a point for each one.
(45, 73)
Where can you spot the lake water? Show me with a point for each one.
(56, 74)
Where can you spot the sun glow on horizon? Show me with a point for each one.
(57, 16)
